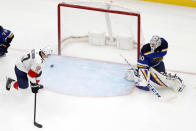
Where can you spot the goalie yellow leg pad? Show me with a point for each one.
(145, 74)
(156, 79)
(166, 80)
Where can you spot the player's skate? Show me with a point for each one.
(8, 83)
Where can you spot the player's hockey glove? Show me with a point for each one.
(35, 87)
(3, 48)
(2, 51)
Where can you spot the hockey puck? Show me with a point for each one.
(52, 66)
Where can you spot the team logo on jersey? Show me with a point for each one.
(157, 59)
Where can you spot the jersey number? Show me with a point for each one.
(26, 58)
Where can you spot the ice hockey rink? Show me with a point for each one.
(34, 24)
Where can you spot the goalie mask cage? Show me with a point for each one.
(100, 23)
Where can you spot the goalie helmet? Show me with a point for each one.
(47, 51)
(155, 42)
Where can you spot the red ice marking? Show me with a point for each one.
(177, 71)
(111, 62)
(184, 72)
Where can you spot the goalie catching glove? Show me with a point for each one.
(35, 87)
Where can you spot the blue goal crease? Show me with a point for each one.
(84, 77)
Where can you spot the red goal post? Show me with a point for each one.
(68, 5)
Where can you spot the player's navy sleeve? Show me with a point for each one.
(6, 37)
(148, 58)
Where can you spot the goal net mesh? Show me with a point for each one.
(98, 31)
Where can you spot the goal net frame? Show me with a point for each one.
(67, 5)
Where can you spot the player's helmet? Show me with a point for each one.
(155, 42)
(47, 51)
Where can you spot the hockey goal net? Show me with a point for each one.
(102, 25)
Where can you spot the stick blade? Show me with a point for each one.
(38, 125)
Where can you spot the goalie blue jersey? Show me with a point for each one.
(148, 58)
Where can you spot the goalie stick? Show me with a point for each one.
(150, 87)
(155, 91)
(127, 62)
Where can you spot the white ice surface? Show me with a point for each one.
(34, 24)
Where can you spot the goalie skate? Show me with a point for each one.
(8, 83)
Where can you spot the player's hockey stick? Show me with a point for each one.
(35, 123)
(150, 87)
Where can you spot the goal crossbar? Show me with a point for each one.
(100, 10)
